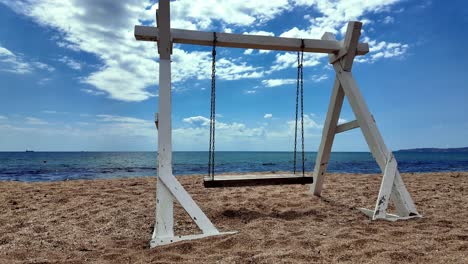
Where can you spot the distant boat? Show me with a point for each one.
(29, 150)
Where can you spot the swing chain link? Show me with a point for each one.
(300, 90)
(211, 152)
(302, 106)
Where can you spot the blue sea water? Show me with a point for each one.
(57, 166)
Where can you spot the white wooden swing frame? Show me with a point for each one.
(341, 56)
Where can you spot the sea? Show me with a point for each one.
(59, 166)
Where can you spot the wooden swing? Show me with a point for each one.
(341, 55)
(214, 181)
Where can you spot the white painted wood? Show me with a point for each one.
(163, 21)
(351, 42)
(400, 196)
(334, 108)
(164, 226)
(403, 201)
(161, 241)
(388, 217)
(328, 135)
(346, 126)
(168, 187)
(183, 36)
(385, 188)
(189, 205)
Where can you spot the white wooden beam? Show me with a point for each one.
(346, 126)
(193, 37)
(328, 135)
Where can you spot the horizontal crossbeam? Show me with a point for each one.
(193, 37)
(346, 126)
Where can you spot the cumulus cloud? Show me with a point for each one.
(277, 82)
(73, 64)
(128, 68)
(16, 63)
(319, 78)
(309, 123)
(383, 50)
(197, 120)
(268, 116)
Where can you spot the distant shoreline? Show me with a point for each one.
(438, 150)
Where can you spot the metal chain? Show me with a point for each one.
(297, 110)
(302, 106)
(211, 151)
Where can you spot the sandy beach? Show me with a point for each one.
(111, 221)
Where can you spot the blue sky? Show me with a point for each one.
(72, 76)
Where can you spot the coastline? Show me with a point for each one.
(110, 220)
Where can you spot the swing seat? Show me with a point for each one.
(242, 180)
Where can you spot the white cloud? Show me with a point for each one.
(70, 62)
(92, 92)
(16, 63)
(259, 33)
(267, 116)
(333, 18)
(319, 78)
(3, 117)
(277, 82)
(342, 121)
(388, 20)
(95, 133)
(383, 50)
(197, 120)
(309, 123)
(121, 119)
(35, 121)
(43, 81)
(250, 91)
(289, 60)
(248, 51)
(128, 67)
(237, 13)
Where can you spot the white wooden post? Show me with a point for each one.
(164, 226)
(168, 187)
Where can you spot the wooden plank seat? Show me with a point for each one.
(226, 180)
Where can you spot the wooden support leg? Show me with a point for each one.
(402, 199)
(328, 135)
(392, 187)
(164, 226)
